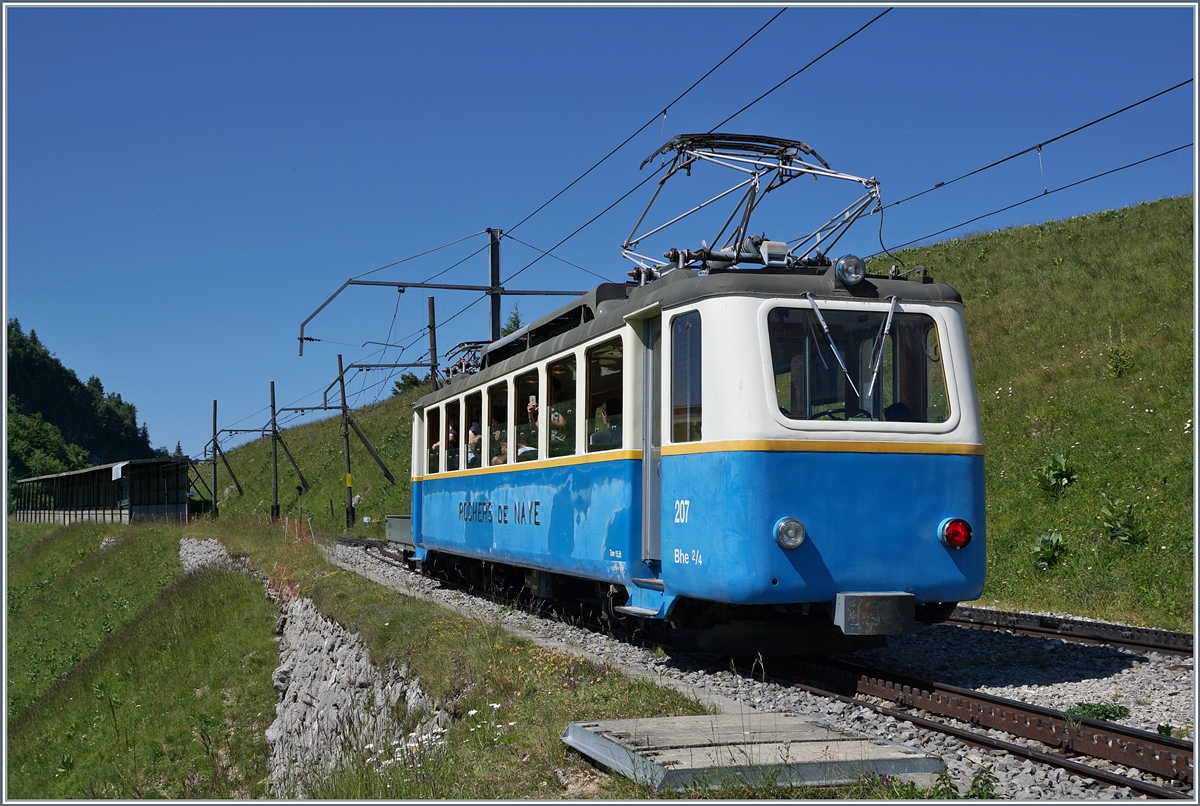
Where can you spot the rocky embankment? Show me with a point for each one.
(333, 701)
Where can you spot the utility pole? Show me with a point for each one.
(494, 267)
(346, 442)
(274, 459)
(214, 461)
(494, 289)
(433, 367)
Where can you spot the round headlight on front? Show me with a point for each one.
(850, 269)
(789, 533)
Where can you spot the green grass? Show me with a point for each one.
(172, 704)
(66, 596)
(174, 699)
(1081, 335)
(317, 447)
(20, 536)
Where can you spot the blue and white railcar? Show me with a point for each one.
(737, 463)
(796, 446)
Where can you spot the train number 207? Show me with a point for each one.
(681, 510)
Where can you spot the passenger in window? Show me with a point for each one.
(608, 433)
(474, 444)
(527, 436)
(899, 413)
(499, 442)
(562, 429)
(557, 418)
(452, 448)
(526, 452)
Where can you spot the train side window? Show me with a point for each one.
(560, 391)
(604, 396)
(473, 441)
(432, 439)
(497, 430)
(685, 377)
(525, 417)
(451, 435)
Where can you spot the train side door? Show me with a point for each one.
(652, 439)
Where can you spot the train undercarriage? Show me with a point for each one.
(694, 626)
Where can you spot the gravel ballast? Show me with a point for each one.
(1157, 689)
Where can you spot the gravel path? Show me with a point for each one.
(1157, 689)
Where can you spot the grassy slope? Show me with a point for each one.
(1045, 305)
(65, 596)
(126, 680)
(317, 448)
(169, 693)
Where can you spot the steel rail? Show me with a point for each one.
(1078, 630)
(982, 740)
(1164, 756)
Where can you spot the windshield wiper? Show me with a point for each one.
(832, 346)
(881, 340)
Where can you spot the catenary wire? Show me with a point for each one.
(413, 257)
(588, 223)
(1041, 144)
(1038, 196)
(626, 141)
(801, 70)
(650, 121)
(556, 257)
(723, 122)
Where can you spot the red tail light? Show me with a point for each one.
(956, 533)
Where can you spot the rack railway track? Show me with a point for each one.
(1142, 639)
(1166, 757)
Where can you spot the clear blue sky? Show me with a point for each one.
(186, 185)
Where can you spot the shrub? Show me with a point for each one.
(1120, 359)
(1121, 522)
(1056, 475)
(1048, 549)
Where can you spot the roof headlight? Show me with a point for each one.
(850, 269)
(789, 533)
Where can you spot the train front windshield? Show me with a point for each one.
(869, 366)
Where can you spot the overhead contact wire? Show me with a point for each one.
(1039, 146)
(588, 223)
(801, 70)
(1039, 196)
(626, 141)
(419, 254)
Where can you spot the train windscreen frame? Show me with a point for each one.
(870, 366)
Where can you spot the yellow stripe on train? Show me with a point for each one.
(824, 446)
(537, 464)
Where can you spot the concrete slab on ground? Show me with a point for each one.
(706, 751)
